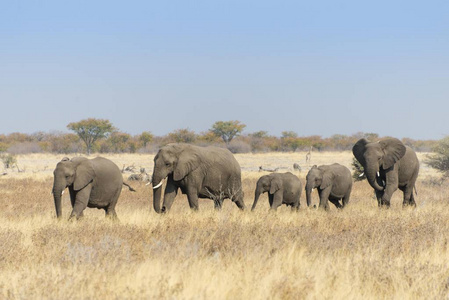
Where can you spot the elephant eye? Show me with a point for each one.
(167, 164)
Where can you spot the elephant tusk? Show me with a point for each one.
(62, 192)
(148, 183)
(157, 186)
(361, 175)
(378, 174)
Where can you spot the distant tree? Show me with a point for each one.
(289, 141)
(440, 158)
(289, 134)
(208, 137)
(259, 134)
(372, 137)
(145, 138)
(182, 136)
(64, 143)
(227, 130)
(119, 141)
(90, 130)
(257, 141)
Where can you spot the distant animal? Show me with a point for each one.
(142, 176)
(200, 172)
(93, 183)
(261, 169)
(297, 167)
(388, 165)
(334, 183)
(309, 155)
(282, 188)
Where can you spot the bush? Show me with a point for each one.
(9, 160)
(236, 146)
(25, 148)
(440, 159)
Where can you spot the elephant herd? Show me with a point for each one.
(214, 173)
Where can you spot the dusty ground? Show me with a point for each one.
(361, 252)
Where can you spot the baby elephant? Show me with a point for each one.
(334, 182)
(92, 183)
(282, 188)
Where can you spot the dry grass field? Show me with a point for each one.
(358, 253)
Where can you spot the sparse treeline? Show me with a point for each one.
(96, 135)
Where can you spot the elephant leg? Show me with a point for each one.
(110, 213)
(192, 196)
(82, 198)
(277, 200)
(412, 199)
(110, 209)
(295, 206)
(346, 197)
(386, 197)
(324, 198)
(336, 202)
(72, 201)
(408, 197)
(270, 199)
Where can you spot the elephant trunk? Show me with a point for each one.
(157, 193)
(308, 196)
(256, 198)
(371, 176)
(309, 188)
(57, 195)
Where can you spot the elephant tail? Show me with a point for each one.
(416, 192)
(130, 188)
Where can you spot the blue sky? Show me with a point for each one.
(313, 67)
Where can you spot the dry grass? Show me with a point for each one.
(360, 252)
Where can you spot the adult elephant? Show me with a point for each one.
(200, 172)
(388, 165)
(93, 182)
(282, 188)
(334, 183)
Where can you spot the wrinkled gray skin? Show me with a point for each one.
(282, 188)
(92, 183)
(397, 164)
(200, 172)
(333, 182)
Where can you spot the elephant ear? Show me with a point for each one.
(276, 185)
(328, 178)
(84, 175)
(359, 149)
(394, 150)
(187, 162)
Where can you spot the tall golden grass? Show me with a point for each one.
(360, 252)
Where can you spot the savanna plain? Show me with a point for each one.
(361, 252)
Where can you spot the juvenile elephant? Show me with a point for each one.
(388, 165)
(92, 183)
(200, 172)
(282, 188)
(334, 182)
